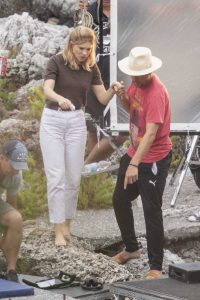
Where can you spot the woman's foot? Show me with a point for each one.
(59, 236)
(66, 230)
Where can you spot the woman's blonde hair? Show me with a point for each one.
(78, 36)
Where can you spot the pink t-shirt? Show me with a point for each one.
(150, 105)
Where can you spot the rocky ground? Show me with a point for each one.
(97, 231)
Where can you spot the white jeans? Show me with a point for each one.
(62, 140)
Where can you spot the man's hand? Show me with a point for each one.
(118, 88)
(131, 175)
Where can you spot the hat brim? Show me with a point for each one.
(19, 165)
(124, 67)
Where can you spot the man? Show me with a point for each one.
(144, 168)
(13, 159)
(100, 151)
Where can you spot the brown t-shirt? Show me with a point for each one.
(71, 84)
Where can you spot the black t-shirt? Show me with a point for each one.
(94, 107)
(104, 65)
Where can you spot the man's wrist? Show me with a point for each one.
(133, 165)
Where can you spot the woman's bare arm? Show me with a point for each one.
(53, 96)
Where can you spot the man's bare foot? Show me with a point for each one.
(154, 274)
(124, 256)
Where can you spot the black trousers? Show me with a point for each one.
(150, 186)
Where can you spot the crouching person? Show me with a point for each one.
(13, 159)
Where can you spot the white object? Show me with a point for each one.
(103, 165)
(89, 168)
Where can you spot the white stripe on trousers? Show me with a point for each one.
(62, 141)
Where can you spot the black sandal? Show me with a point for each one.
(91, 284)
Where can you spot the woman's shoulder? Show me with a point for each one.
(95, 68)
(57, 58)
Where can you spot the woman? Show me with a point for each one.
(68, 78)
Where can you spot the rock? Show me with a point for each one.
(31, 43)
(41, 9)
(3, 112)
(25, 130)
(9, 7)
(79, 258)
(21, 101)
(53, 21)
(46, 259)
(4, 52)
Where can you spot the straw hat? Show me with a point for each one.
(139, 62)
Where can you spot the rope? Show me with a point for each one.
(86, 19)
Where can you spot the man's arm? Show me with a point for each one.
(121, 93)
(12, 200)
(125, 102)
(144, 146)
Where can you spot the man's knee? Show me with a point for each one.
(152, 213)
(12, 219)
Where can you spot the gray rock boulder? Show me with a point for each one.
(9, 7)
(19, 122)
(25, 130)
(31, 43)
(63, 10)
(41, 9)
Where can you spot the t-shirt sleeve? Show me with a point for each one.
(51, 69)
(96, 76)
(156, 109)
(15, 186)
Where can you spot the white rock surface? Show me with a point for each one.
(42, 9)
(31, 43)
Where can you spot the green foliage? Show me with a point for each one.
(6, 95)
(127, 143)
(96, 191)
(178, 149)
(32, 200)
(36, 98)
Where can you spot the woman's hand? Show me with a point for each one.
(118, 88)
(65, 104)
